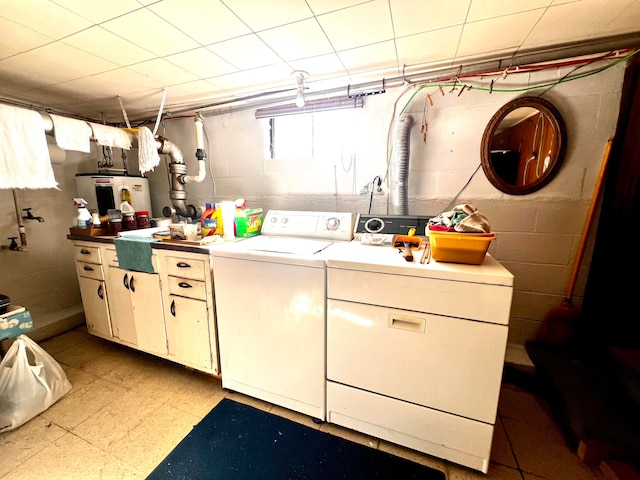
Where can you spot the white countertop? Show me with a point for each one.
(387, 259)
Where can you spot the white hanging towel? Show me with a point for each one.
(72, 134)
(148, 157)
(110, 136)
(24, 156)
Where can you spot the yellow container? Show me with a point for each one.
(454, 247)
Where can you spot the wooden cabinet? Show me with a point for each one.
(92, 289)
(135, 303)
(189, 309)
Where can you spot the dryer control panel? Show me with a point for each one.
(326, 225)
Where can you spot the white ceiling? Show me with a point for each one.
(78, 56)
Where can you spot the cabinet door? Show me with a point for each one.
(148, 315)
(188, 331)
(94, 302)
(120, 306)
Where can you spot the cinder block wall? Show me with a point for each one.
(537, 234)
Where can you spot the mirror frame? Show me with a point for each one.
(558, 150)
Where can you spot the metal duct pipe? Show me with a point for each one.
(178, 172)
(399, 168)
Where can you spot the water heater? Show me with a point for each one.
(103, 192)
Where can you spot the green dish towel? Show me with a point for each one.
(134, 253)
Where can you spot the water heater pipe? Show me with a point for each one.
(177, 168)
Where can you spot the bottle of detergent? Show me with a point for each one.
(83, 220)
(210, 222)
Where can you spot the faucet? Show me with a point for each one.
(30, 216)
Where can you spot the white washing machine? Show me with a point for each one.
(271, 308)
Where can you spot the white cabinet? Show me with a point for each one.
(135, 303)
(189, 309)
(92, 289)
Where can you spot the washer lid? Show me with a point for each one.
(286, 245)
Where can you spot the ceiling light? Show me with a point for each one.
(300, 75)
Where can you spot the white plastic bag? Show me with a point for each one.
(30, 382)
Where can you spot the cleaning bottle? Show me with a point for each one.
(83, 219)
(95, 220)
(210, 222)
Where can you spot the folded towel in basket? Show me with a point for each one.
(134, 253)
(24, 155)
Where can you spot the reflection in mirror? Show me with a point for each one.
(523, 145)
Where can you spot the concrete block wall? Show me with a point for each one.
(537, 234)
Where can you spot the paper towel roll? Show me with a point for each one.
(228, 219)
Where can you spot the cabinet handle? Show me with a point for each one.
(411, 324)
(88, 268)
(185, 285)
(85, 252)
(173, 308)
(125, 281)
(131, 286)
(100, 294)
(183, 265)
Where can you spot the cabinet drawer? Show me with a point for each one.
(186, 268)
(90, 270)
(87, 254)
(186, 287)
(436, 433)
(111, 257)
(475, 301)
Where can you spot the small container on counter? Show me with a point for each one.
(143, 220)
(129, 221)
(114, 226)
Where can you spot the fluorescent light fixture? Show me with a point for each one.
(310, 107)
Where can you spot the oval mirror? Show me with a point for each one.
(523, 145)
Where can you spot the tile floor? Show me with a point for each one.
(127, 410)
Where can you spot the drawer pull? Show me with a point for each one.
(185, 285)
(131, 286)
(173, 308)
(88, 268)
(125, 281)
(183, 265)
(100, 294)
(85, 252)
(410, 324)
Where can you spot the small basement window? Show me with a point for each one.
(318, 136)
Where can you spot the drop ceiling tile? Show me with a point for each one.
(507, 33)
(48, 18)
(485, 9)
(98, 41)
(186, 94)
(573, 21)
(147, 30)
(430, 47)
(57, 62)
(417, 16)
(207, 21)
(125, 81)
(275, 14)
(626, 21)
(325, 6)
(98, 12)
(371, 57)
(245, 52)
(297, 40)
(263, 78)
(320, 67)
(201, 62)
(17, 39)
(357, 26)
(163, 72)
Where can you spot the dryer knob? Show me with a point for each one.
(333, 223)
(374, 225)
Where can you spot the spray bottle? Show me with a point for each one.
(83, 219)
